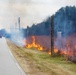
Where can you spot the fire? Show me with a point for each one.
(67, 47)
(34, 44)
(55, 50)
(49, 52)
(38, 46)
(64, 52)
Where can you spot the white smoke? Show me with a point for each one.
(17, 38)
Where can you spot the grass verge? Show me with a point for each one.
(35, 62)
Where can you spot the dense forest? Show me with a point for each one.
(64, 21)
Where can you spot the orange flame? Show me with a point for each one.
(34, 44)
(49, 52)
(55, 50)
(67, 50)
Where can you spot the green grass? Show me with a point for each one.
(43, 63)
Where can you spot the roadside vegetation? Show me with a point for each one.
(35, 62)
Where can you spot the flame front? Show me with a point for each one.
(34, 44)
(68, 47)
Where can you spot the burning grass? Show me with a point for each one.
(35, 62)
(62, 45)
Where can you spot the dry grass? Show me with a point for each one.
(40, 63)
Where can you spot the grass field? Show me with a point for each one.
(35, 62)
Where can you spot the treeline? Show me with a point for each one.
(64, 21)
(4, 33)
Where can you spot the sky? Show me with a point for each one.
(29, 11)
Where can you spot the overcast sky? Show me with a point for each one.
(30, 11)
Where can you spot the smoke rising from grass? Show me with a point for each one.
(17, 38)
